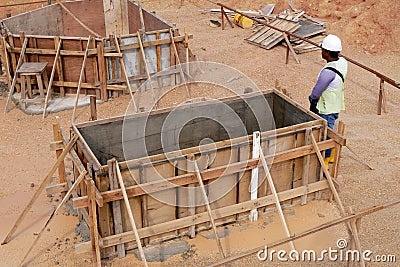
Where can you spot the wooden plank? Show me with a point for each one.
(129, 210)
(204, 217)
(290, 47)
(306, 166)
(40, 189)
(207, 203)
(102, 71)
(276, 197)
(11, 89)
(254, 175)
(57, 138)
(60, 68)
(57, 188)
(96, 259)
(338, 148)
(191, 197)
(116, 206)
(123, 70)
(14, 58)
(55, 64)
(147, 69)
(80, 79)
(6, 61)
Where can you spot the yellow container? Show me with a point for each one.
(243, 21)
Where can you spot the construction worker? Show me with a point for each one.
(327, 96)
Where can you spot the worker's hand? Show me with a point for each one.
(313, 105)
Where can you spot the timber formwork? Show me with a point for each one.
(156, 184)
(54, 36)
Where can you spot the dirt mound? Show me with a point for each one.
(370, 24)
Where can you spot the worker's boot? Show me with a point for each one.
(332, 157)
(326, 161)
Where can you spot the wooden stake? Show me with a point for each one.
(382, 98)
(93, 108)
(66, 197)
(123, 69)
(276, 198)
(200, 179)
(40, 189)
(290, 47)
(80, 78)
(191, 195)
(306, 165)
(254, 174)
(94, 234)
(57, 137)
(183, 80)
(48, 93)
(116, 205)
(338, 149)
(356, 237)
(129, 210)
(20, 60)
(102, 71)
(142, 25)
(146, 67)
(6, 61)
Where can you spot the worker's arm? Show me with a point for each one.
(324, 79)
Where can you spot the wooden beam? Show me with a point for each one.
(53, 70)
(116, 205)
(80, 78)
(290, 47)
(207, 203)
(57, 138)
(183, 80)
(20, 60)
(306, 165)
(146, 68)
(129, 210)
(40, 189)
(123, 70)
(276, 197)
(102, 71)
(57, 188)
(96, 259)
(204, 217)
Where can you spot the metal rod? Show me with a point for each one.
(380, 75)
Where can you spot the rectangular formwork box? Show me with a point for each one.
(156, 182)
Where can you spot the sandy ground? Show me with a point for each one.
(26, 158)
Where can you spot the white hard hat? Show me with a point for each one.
(332, 43)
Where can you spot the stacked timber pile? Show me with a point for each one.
(295, 21)
(266, 37)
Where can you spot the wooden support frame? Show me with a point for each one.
(20, 61)
(382, 98)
